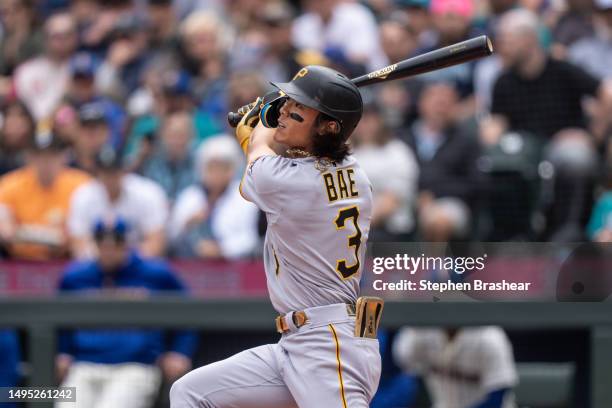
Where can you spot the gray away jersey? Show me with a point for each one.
(318, 225)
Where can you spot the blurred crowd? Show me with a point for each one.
(117, 109)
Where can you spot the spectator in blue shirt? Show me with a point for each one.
(396, 388)
(121, 367)
(9, 360)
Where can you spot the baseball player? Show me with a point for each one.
(470, 367)
(318, 205)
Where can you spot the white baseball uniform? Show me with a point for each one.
(318, 224)
(461, 372)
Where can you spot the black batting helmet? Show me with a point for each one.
(327, 91)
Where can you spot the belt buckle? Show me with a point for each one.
(299, 319)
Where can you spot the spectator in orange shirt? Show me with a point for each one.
(34, 201)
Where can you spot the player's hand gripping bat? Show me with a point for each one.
(441, 58)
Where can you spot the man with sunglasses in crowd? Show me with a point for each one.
(318, 204)
(120, 367)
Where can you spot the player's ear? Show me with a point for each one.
(328, 127)
(333, 127)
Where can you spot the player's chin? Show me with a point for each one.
(280, 136)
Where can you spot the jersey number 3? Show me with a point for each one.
(354, 241)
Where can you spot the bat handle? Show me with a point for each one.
(233, 118)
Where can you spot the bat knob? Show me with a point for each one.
(233, 119)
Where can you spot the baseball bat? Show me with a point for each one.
(431, 61)
(455, 54)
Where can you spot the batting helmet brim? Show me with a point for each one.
(295, 93)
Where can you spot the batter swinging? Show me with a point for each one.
(318, 204)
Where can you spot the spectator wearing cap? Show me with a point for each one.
(174, 95)
(114, 192)
(394, 197)
(42, 82)
(83, 91)
(211, 219)
(34, 201)
(172, 164)
(120, 72)
(594, 52)
(121, 368)
(18, 128)
(92, 136)
(327, 23)
(447, 152)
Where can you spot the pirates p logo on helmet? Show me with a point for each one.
(301, 73)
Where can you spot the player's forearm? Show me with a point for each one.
(261, 143)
